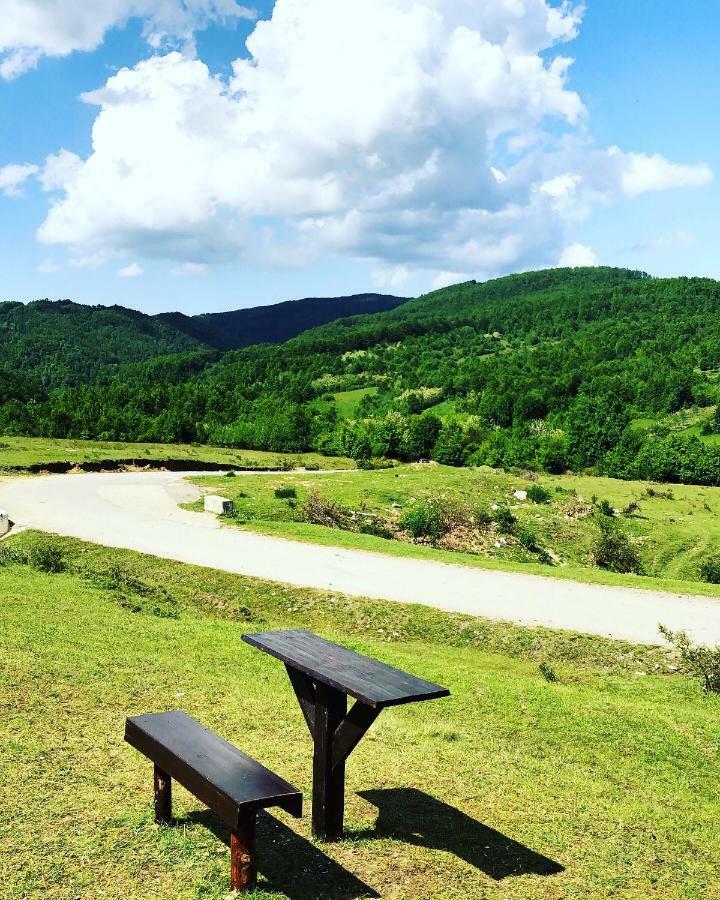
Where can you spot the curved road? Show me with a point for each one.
(139, 511)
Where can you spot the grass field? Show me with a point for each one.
(17, 453)
(674, 529)
(603, 784)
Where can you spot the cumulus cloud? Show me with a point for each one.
(32, 29)
(640, 173)
(14, 176)
(134, 270)
(434, 135)
(575, 255)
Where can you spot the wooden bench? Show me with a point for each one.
(323, 676)
(230, 783)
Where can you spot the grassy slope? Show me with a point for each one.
(20, 452)
(673, 535)
(611, 775)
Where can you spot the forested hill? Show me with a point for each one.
(61, 344)
(275, 323)
(566, 368)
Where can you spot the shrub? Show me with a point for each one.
(230, 474)
(703, 662)
(284, 493)
(631, 509)
(528, 540)
(606, 509)
(423, 520)
(318, 510)
(548, 673)
(710, 569)
(49, 558)
(538, 494)
(312, 467)
(613, 550)
(504, 520)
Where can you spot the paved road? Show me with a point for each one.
(139, 511)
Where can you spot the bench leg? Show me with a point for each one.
(243, 862)
(163, 797)
(328, 800)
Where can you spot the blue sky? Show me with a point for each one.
(322, 171)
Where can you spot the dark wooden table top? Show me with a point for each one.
(362, 677)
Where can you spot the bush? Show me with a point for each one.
(613, 550)
(230, 474)
(538, 494)
(548, 673)
(423, 520)
(710, 569)
(49, 558)
(606, 509)
(318, 510)
(284, 493)
(702, 662)
(528, 540)
(504, 520)
(312, 467)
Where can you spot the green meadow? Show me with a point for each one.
(674, 528)
(603, 783)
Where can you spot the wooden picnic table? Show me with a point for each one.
(323, 675)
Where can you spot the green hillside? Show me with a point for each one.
(59, 344)
(555, 370)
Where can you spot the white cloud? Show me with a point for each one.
(391, 276)
(32, 29)
(190, 269)
(444, 279)
(679, 237)
(14, 176)
(575, 255)
(640, 173)
(60, 170)
(132, 271)
(454, 146)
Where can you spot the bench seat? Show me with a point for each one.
(229, 782)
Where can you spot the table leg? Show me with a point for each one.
(328, 801)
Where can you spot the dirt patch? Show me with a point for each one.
(135, 465)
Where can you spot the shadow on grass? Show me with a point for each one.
(412, 816)
(292, 865)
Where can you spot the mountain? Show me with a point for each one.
(275, 323)
(62, 344)
(598, 368)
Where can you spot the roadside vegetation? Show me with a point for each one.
(588, 758)
(36, 454)
(582, 527)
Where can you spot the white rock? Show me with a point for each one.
(4, 522)
(520, 495)
(220, 505)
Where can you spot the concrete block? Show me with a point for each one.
(4, 522)
(219, 505)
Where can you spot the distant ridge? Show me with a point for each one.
(59, 343)
(278, 322)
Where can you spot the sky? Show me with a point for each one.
(202, 155)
